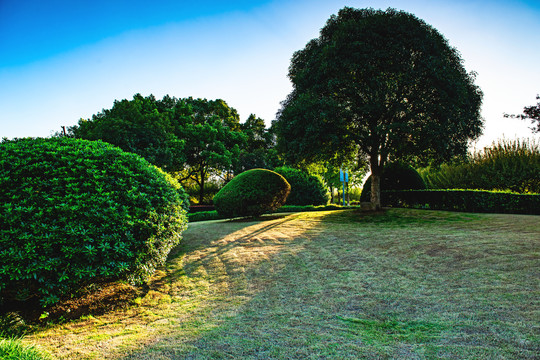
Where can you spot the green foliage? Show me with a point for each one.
(144, 126)
(465, 200)
(189, 137)
(382, 83)
(258, 152)
(15, 349)
(75, 212)
(395, 176)
(306, 189)
(506, 165)
(203, 216)
(193, 189)
(252, 193)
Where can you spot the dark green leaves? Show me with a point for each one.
(75, 212)
(383, 82)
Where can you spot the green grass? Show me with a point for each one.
(404, 284)
(15, 349)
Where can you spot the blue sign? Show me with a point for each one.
(343, 176)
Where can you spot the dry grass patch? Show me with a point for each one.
(336, 284)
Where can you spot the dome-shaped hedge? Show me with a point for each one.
(75, 212)
(252, 193)
(395, 176)
(306, 189)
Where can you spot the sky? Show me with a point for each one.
(62, 60)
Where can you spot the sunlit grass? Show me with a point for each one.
(15, 349)
(334, 284)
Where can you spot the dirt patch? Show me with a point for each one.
(97, 300)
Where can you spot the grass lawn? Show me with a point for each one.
(405, 284)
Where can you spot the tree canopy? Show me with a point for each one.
(384, 83)
(188, 137)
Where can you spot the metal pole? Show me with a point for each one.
(344, 193)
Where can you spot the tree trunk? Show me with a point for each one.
(376, 190)
(201, 188)
(376, 166)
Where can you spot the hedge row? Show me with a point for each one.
(464, 200)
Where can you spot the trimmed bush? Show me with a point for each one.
(395, 176)
(76, 212)
(465, 200)
(306, 189)
(252, 193)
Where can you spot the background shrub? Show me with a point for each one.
(465, 200)
(306, 189)
(505, 165)
(395, 176)
(252, 193)
(75, 212)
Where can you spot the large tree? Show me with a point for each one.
(258, 151)
(189, 137)
(384, 83)
(140, 126)
(213, 139)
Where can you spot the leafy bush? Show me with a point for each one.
(395, 176)
(306, 189)
(76, 212)
(193, 190)
(465, 200)
(506, 165)
(252, 193)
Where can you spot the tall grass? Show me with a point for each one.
(506, 165)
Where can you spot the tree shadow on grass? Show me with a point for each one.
(307, 304)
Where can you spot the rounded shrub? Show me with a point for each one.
(76, 212)
(252, 193)
(395, 176)
(306, 189)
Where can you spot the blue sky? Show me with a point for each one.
(64, 60)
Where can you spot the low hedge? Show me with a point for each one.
(464, 200)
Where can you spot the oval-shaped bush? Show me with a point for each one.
(252, 193)
(306, 189)
(76, 212)
(395, 176)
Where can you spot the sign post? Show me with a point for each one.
(343, 177)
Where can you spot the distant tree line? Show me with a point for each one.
(193, 139)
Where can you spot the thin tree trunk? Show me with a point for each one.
(201, 188)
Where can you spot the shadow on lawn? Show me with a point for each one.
(305, 303)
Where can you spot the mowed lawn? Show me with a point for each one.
(405, 284)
